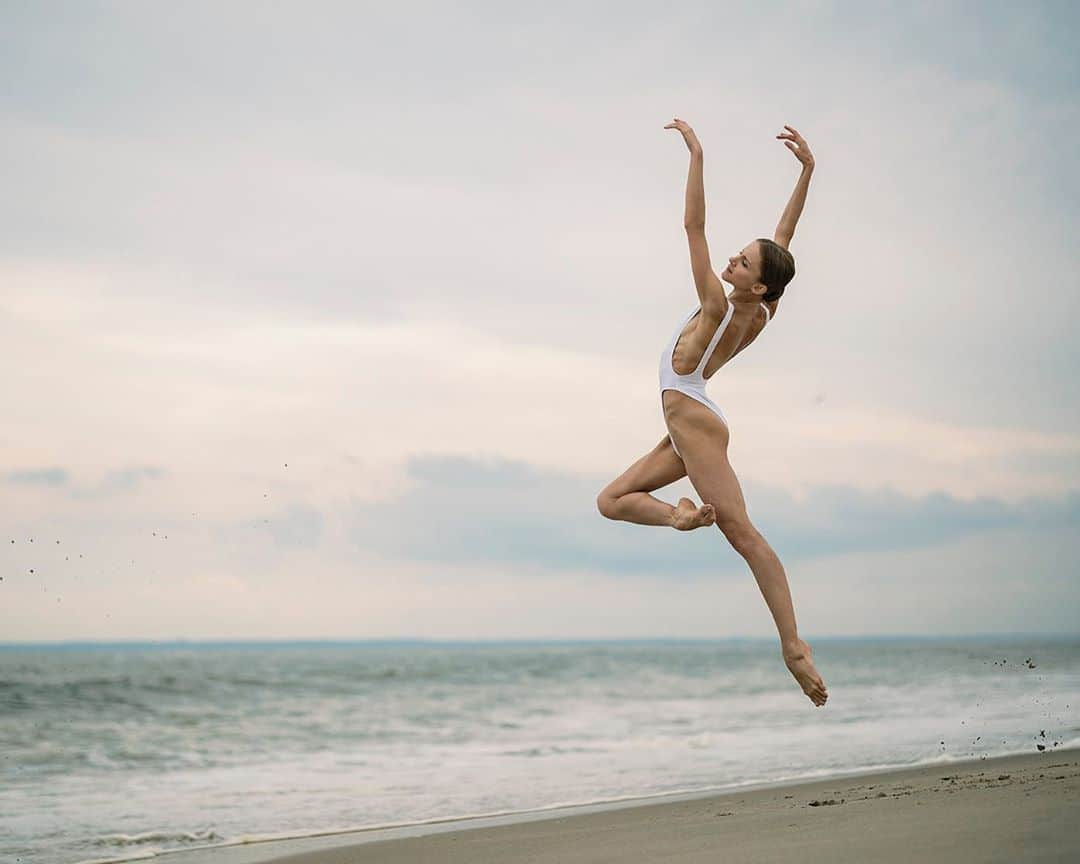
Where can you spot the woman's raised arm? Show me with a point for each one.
(695, 182)
(797, 145)
(710, 289)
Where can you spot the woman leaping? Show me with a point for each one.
(696, 445)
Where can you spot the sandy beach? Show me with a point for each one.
(1007, 809)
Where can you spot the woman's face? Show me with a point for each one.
(744, 268)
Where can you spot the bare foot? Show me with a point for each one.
(798, 658)
(688, 515)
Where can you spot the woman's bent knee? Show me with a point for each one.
(605, 503)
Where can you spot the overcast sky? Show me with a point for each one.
(330, 320)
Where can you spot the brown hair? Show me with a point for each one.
(777, 268)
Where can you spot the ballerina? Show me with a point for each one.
(696, 445)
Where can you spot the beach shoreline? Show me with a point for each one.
(1003, 808)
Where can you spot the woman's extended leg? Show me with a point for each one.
(627, 496)
(703, 441)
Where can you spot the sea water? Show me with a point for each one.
(122, 750)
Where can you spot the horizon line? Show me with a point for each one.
(416, 640)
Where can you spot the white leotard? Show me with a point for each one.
(693, 384)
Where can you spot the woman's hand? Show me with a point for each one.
(797, 145)
(687, 133)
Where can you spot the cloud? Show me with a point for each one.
(459, 509)
(840, 519)
(116, 480)
(349, 383)
(217, 258)
(490, 548)
(296, 526)
(123, 479)
(39, 477)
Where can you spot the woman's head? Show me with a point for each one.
(764, 265)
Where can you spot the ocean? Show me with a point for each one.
(119, 751)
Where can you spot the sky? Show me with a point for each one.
(330, 320)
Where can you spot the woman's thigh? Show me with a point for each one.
(657, 468)
(704, 448)
(714, 479)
